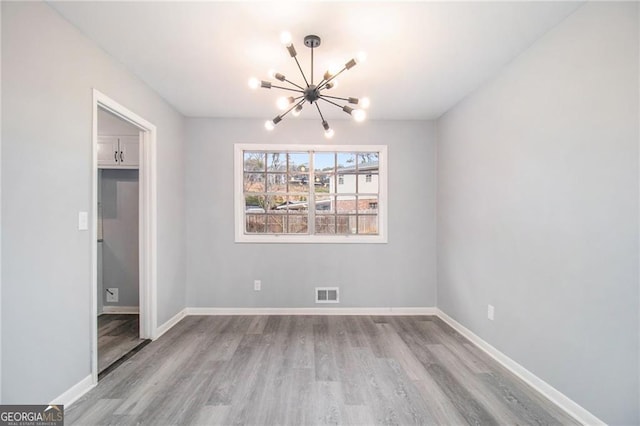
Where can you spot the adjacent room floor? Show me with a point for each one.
(118, 334)
(303, 370)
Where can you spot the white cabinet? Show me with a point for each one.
(118, 152)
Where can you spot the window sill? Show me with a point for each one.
(311, 239)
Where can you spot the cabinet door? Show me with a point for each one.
(129, 151)
(108, 151)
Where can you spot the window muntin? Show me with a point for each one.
(310, 193)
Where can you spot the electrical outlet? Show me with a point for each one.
(490, 312)
(257, 285)
(112, 294)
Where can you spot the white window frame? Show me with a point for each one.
(239, 203)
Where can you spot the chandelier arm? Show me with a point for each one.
(292, 83)
(319, 112)
(335, 97)
(289, 110)
(301, 72)
(311, 64)
(287, 88)
(321, 86)
(331, 102)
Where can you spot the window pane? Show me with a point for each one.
(368, 225)
(254, 182)
(276, 182)
(298, 224)
(346, 224)
(277, 223)
(324, 166)
(367, 160)
(368, 182)
(346, 161)
(255, 223)
(322, 182)
(368, 204)
(325, 224)
(276, 162)
(346, 204)
(254, 161)
(294, 203)
(254, 204)
(324, 161)
(299, 182)
(272, 202)
(325, 204)
(299, 162)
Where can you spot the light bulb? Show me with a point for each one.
(282, 103)
(297, 110)
(329, 133)
(364, 103)
(269, 125)
(254, 83)
(359, 115)
(271, 73)
(361, 57)
(285, 38)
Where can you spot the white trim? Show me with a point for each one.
(147, 220)
(169, 324)
(72, 394)
(242, 237)
(561, 400)
(312, 311)
(120, 309)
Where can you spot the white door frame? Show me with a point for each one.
(147, 224)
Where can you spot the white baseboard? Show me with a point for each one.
(169, 324)
(561, 400)
(311, 311)
(75, 392)
(120, 309)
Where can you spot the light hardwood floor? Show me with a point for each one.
(307, 370)
(117, 335)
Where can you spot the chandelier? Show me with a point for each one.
(311, 92)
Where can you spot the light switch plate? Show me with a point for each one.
(83, 221)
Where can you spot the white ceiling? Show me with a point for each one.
(423, 57)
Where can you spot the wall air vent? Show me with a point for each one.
(327, 295)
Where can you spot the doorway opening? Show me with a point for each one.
(124, 256)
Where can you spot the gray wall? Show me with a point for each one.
(48, 72)
(538, 210)
(221, 272)
(119, 201)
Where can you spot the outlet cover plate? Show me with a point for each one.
(112, 295)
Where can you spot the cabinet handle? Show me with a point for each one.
(115, 156)
(121, 157)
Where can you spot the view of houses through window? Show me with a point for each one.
(311, 192)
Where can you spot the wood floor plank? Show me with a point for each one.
(311, 370)
(325, 364)
(117, 335)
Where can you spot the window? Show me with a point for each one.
(303, 193)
